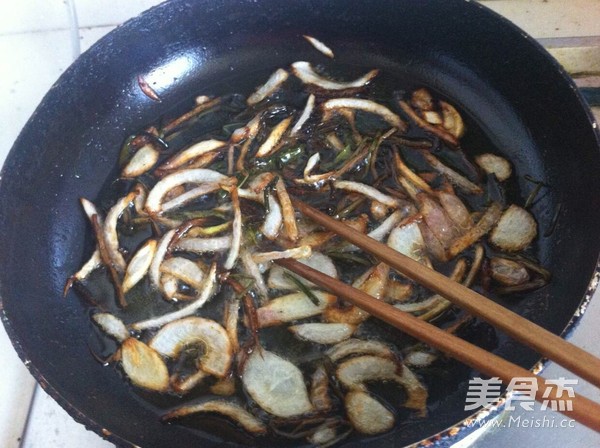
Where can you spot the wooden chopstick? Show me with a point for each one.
(583, 410)
(553, 347)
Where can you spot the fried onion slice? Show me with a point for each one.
(276, 384)
(225, 408)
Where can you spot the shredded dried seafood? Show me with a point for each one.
(205, 205)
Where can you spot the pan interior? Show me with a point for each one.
(521, 101)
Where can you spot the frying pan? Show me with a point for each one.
(505, 83)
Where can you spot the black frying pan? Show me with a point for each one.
(524, 102)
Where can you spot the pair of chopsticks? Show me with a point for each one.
(544, 342)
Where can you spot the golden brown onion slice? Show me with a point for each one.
(275, 384)
(323, 333)
(305, 72)
(417, 393)
(225, 408)
(139, 265)
(208, 290)
(142, 161)
(367, 415)
(292, 307)
(354, 372)
(191, 153)
(453, 122)
(353, 347)
(319, 390)
(174, 337)
(457, 179)
(515, 230)
(365, 106)
(444, 229)
(493, 164)
(230, 320)
(273, 83)
(287, 210)
(481, 228)
(508, 272)
(112, 326)
(143, 366)
(397, 292)
(456, 210)
(271, 144)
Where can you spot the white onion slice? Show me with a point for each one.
(231, 315)
(142, 161)
(292, 307)
(139, 265)
(271, 143)
(323, 333)
(366, 414)
(259, 282)
(90, 210)
(457, 179)
(308, 109)
(175, 336)
(236, 234)
(143, 366)
(319, 46)
(93, 263)
(190, 195)
(228, 409)
(202, 245)
(407, 240)
(368, 191)
(322, 263)
(381, 231)
(183, 269)
(296, 252)
(275, 384)
(481, 228)
(110, 231)
(273, 219)
(194, 151)
(366, 106)
(208, 290)
(354, 372)
(304, 71)
(112, 326)
(167, 183)
(267, 89)
(159, 256)
(515, 230)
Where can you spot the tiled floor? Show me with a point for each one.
(40, 38)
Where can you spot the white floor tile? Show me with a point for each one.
(50, 426)
(34, 15)
(89, 36)
(16, 390)
(30, 64)
(551, 18)
(92, 13)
